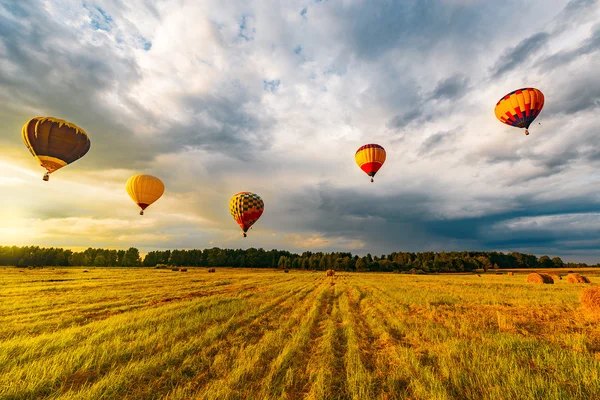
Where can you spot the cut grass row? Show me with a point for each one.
(269, 335)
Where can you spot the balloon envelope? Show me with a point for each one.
(370, 158)
(144, 190)
(520, 107)
(246, 208)
(54, 142)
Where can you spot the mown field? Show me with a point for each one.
(243, 334)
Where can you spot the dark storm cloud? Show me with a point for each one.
(402, 120)
(516, 56)
(411, 220)
(436, 141)
(451, 88)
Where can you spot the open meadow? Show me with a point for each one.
(262, 334)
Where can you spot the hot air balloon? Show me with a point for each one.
(370, 158)
(144, 190)
(246, 208)
(520, 108)
(54, 142)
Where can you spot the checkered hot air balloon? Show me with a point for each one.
(370, 158)
(54, 142)
(246, 208)
(520, 108)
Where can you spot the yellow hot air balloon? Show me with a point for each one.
(520, 107)
(370, 158)
(246, 208)
(54, 142)
(144, 190)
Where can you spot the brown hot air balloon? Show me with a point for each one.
(54, 142)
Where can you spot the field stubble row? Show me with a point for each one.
(246, 334)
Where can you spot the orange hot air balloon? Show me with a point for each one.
(54, 142)
(520, 108)
(370, 158)
(246, 208)
(144, 190)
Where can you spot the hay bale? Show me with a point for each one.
(534, 277)
(182, 269)
(211, 270)
(330, 272)
(556, 277)
(590, 300)
(174, 269)
(286, 271)
(479, 276)
(85, 270)
(576, 278)
(511, 274)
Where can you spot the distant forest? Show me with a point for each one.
(463, 261)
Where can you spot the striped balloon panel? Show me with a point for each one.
(520, 108)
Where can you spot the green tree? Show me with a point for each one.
(100, 261)
(546, 262)
(558, 262)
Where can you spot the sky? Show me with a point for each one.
(274, 97)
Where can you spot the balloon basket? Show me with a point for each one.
(46, 177)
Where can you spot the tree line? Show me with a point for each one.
(463, 261)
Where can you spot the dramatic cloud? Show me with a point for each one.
(519, 54)
(275, 97)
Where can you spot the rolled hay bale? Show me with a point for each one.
(534, 277)
(511, 274)
(590, 301)
(330, 272)
(182, 269)
(287, 271)
(211, 270)
(576, 278)
(556, 277)
(174, 269)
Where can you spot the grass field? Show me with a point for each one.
(244, 334)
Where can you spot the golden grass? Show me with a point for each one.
(255, 334)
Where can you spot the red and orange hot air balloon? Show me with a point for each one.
(370, 158)
(246, 208)
(520, 108)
